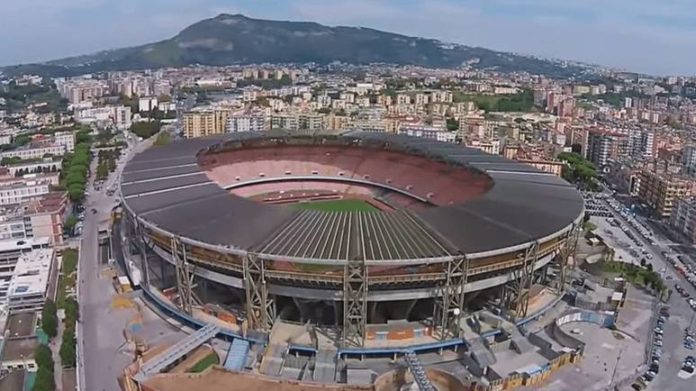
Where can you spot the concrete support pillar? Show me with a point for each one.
(301, 308)
(337, 316)
(372, 311)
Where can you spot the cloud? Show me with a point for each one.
(648, 36)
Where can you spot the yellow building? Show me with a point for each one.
(660, 191)
(549, 166)
(336, 122)
(201, 123)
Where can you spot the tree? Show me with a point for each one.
(642, 262)
(452, 124)
(43, 357)
(49, 319)
(70, 223)
(146, 129)
(71, 312)
(102, 171)
(578, 170)
(44, 380)
(21, 140)
(67, 349)
(83, 136)
(76, 193)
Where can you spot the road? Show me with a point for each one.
(681, 314)
(102, 356)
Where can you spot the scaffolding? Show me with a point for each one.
(449, 305)
(354, 302)
(260, 306)
(567, 250)
(141, 246)
(184, 274)
(516, 293)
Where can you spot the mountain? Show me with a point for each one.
(237, 39)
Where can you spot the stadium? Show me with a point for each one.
(364, 239)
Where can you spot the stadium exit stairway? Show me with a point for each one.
(483, 356)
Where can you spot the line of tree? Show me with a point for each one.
(579, 170)
(68, 348)
(45, 380)
(76, 170)
(107, 162)
(49, 319)
(68, 356)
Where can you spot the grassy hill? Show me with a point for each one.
(237, 39)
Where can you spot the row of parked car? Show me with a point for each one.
(655, 353)
(688, 365)
(639, 226)
(595, 207)
(684, 267)
(689, 339)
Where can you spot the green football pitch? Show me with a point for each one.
(337, 206)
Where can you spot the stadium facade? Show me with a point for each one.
(210, 222)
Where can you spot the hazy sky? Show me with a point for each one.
(656, 36)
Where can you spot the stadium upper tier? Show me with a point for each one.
(468, 201)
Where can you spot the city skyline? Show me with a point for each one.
(645, 37)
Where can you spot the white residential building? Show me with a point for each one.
(147, 103)
(247, 122)
(66, 139)
(29, 284)
(429, 132)
(11, 250)
(119, 116)
(689, 158)
(19, 191)
(35, 153)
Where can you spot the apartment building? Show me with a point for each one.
(336, 122)
(491, 147)
(11, 250)
(66, 139)
(35, 152)
(206, 121)
(29, 284)
(16, 193)
(684, 218)
(38, 218)
(285, 121)
(31, 186)
(311, 121)
(599, 147)
(552, 167)
(119, 116)
(45, 165)
(689, 158)
(429, 132)
(12, 227)
(247, 122)
(660, 191)
(82, 90)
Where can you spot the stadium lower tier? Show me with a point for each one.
(255, 290)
